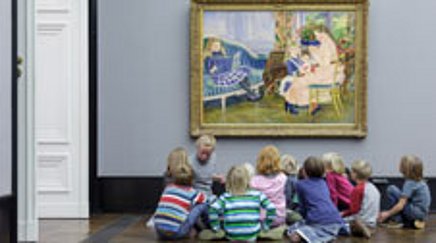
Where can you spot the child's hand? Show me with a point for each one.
(213, 69)
(383, 216)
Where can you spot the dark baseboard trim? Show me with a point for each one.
(7, 205)
(141, 194)
(128, 194)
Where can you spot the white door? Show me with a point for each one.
(61, 108)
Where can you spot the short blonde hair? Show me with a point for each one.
(268, 161)
(206, 140)
(289, 165)
(333, 161)
(176, 156)
(250, 168)
(362, 169)
(237, 180)
(411, 167)
(182, 174)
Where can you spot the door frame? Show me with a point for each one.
(94, 183)
(27, 221)
(14, 124)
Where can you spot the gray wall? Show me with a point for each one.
(5, 97)
(144, 90)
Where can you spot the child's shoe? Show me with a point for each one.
(419, 224)
(293, 109)
(149, 223)
(392, 225)
(211, 235)
(273, 234)
(358, 228)
(292, 217)
(315, 110)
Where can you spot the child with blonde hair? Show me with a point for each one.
(271, 181)
(339, 186)
(239, 208)
(176, 156)
(204, 164)
(180, 204)
(250, 168)
(290, 167)
(365, 201)
(322, 220)
(410, 206)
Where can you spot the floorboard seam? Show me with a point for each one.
(112, 230)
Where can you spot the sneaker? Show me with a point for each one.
(150, 223)
(292, 217)
(419, 224)
(392, 225)
(358, 228)
(211, 235)
(273, 234)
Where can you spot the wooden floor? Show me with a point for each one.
(130, 228)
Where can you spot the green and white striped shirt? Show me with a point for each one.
(242, 214)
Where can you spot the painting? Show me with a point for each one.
(278, 68)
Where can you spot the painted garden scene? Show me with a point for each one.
(280, 67)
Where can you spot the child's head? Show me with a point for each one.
(360, 170)
(205, 147)
(411, 167)
(333, 162)
(305, 55)
(214, 45)
(314, 167)
(176, 156)
(268, 161)
(250, 168)
(301, 174)
(182, 174)
(289, 165)
(238, 179)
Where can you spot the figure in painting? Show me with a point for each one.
(225, 70)
(315, 67)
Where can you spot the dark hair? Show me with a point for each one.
(314, 167)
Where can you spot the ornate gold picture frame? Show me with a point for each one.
(290, 68)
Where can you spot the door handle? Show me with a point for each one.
(20, 61)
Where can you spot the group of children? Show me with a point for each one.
(314, 203)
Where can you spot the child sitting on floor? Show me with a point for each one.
(180, 204)
(339, 186)
(365, 201)
(410, 206)
(322, 220)
(176, 156)
(290, 167)
(239, 208)
(271, 181)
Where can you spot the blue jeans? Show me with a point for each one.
(409, 213)
(189, 223)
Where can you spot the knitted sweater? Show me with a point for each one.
(175, 205)
(241, 214)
